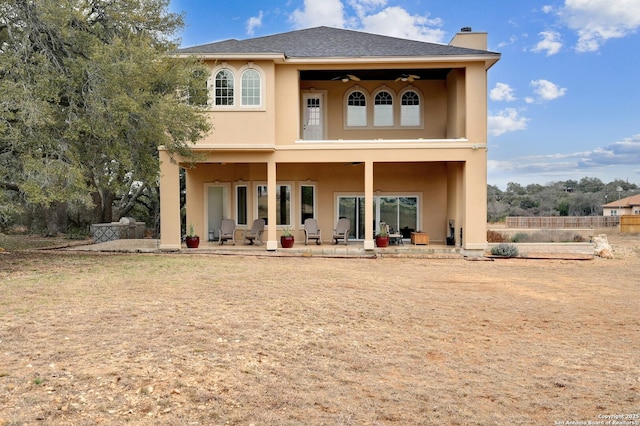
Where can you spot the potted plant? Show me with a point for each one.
(286, 240)
(382, 239)
(192, 240)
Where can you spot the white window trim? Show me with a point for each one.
(237, 88)
(292, 204)
(345, 102)
(235, 203)
(394, 108)
(226, 210)
(260, 107)
(211, 85)
(419, 196)
(421, 111)
(315, 199)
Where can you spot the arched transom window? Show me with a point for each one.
(410, 109)
(251, 88)
(383, 109)
(224, 88)
(356, 109)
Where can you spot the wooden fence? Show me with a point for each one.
(630, 224)
(560, 222)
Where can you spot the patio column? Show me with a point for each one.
(474, 240)
(368, 206)
(169, 203)
(272, 241)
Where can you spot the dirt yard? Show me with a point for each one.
(212, 340)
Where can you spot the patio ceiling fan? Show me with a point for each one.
(346, 77)
(408, 77)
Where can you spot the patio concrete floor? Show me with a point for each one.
(327, 249)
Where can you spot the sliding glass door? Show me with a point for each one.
(399, 212)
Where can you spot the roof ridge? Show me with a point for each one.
(330, 42)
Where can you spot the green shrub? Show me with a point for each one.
(504, 250)
(520, 237)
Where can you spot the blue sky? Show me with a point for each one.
(564, 100)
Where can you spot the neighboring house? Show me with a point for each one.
(331, 123)
(624, 206)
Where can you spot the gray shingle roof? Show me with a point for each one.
(322, 42)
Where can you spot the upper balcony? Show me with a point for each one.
(328, 84)
(381, 104)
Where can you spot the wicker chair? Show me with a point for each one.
(227, 231)
(311, 231)
(341, 232)
(254, 235)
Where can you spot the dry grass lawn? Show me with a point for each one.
(203, 339)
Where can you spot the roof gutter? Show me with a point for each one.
(276, 57)
(488, 59)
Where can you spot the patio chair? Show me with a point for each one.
(311, 231)
(341, 232)
(227, 231)
(255, 233)
(395, 237)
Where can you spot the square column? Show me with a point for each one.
(169, 203)
(272, 241)
(369, 244)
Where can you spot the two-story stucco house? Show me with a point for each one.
(330, 123)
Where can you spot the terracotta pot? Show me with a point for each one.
(286, 242)
(382, 241)
(192, 242)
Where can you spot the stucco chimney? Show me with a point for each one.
(469, 39)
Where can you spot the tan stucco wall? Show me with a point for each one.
(456, 113)
(242, 125)
(434, 99)
(434, 161)
(452, 108)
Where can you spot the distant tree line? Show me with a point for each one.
(563, 198)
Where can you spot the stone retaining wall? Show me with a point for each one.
(551, 248)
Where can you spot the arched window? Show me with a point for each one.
(383, 109)
(224, 88)
(251, 88)
(410, 109)
(356, 109)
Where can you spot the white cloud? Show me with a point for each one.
(597, 21)
(369, 15)
(254, 22)
(363, 7)
(626, 151)
(547, 8)
(505, 121)
(319, 12)
(617, 160)
(512, 40)
(502, 92)
(547, 90)
(550, 43)
(397, 22)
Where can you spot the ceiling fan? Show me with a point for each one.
(346, 78)
(408, 77)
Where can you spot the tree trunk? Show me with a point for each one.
(103, 210)
(51, 219)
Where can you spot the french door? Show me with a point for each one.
(313, 116)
